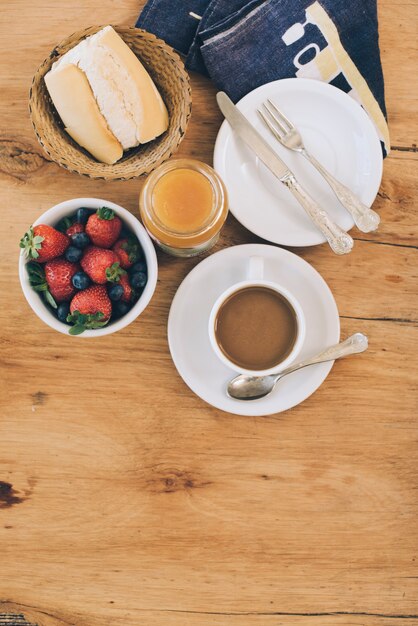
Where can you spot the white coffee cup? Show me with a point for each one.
(256, 279)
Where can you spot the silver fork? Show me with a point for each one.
(282, 128)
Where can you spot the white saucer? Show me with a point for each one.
(188, 336)
(335, 129)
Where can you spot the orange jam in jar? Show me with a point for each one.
(183, 206)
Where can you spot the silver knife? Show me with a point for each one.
(340, 241)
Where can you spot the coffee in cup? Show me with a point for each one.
(256, 326)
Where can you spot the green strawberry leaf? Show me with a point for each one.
(114, 272)
(34, 268)
(77, 330)
(94, 325)
(40, 287)
(75, 318)
(132, 247)
(38, 282)
(35, 272)
(31, 244)
(63, 224)
(105, 213)
(84, 322)
(49, 299)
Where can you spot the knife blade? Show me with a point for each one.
(339, 241)
(251, 136)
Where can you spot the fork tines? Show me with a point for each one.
(275, 120)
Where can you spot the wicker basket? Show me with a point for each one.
(166, 69)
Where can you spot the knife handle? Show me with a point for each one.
(340, 241)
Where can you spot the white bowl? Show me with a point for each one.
(52, 217)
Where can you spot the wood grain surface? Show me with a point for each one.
(126, 500)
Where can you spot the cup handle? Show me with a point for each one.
(256, 268)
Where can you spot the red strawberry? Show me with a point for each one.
(58, 275)
(91, 301)
(104, 227)
(101, 265)
(128, 251)
(90, 308)
(127, 289)
(75, 228)
(43, 243)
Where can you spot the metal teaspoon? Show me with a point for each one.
(244, 387)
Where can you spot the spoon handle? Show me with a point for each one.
(354, 344)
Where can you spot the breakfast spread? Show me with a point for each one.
(105, 98)
(90, 268)
(183, 206)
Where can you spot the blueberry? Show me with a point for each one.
(120, 308)
(80, 240)
(80, 280)
(139, 266)
(115, 292)
(73, 254)
(138, 280)
(62, 311)
(83, 214)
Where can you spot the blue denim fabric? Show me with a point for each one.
(172, 21)
(218, 12)
(242, 44)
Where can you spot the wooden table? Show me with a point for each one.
(126, 504)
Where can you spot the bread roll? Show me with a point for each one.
(73, 98)
(128, 105)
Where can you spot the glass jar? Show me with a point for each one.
(183, 205)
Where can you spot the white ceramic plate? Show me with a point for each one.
(188, 336)
(335, 129)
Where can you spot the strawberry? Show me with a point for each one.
(90, 308)
(75, 228)
(128, 251)
(103, 227)
(101, 265)
(127, 289)
(58, 275)
(43, 243)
